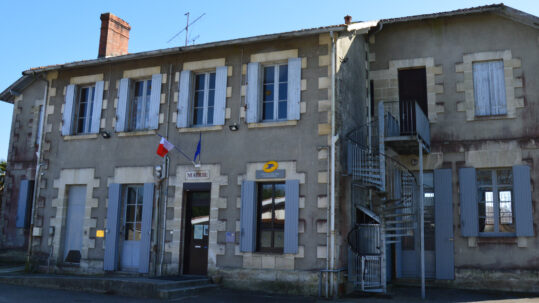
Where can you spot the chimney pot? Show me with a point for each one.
(114, 38)
(347, 19)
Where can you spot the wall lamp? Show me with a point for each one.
(234, 127)
(104, 134)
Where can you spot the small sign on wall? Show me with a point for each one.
(99, 233)
(197, 175)
(230, 237)
(276, 174)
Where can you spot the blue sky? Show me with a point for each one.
(37, 33)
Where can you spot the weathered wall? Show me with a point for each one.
(21, 161)
(458, 139)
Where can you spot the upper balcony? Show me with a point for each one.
(405, 126)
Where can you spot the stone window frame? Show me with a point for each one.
(466, 86)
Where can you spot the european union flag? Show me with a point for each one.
(197, 153)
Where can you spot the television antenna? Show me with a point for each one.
(193, 39)
(186, 29)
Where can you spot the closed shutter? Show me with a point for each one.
(468, 202)
(147, 208)
(248, 217)
(96, 107)
(113, 221)
(291, 216)
(121, 109)
(481, 88)
(253, 91)
(220, 95)
(443, 222)
(183, 101)
(497, 88)
(294, 88)
(24, 203)
(68, 109)
(155, 101)
(523, 201)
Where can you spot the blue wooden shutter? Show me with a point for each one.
(147, 209)
(294, 88)
(291, 216)
(96, 107)
(121, 109)
(481, 89)
(68, 109)
(155, 101)
(183, 100)
(113, 226)
(248, 217)
(523, 201)
(24, 203)
(497, 88)
(253, 92)
(220, 95)
(443, 219)
(468, 202)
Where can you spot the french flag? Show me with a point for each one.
(164, 147)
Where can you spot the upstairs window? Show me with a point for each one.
(140, 106)
(204, 99)
(489, 88)
(275, 92)
(83, 114)
(82, 109)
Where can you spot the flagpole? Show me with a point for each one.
(176, 148)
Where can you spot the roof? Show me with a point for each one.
(15, 89)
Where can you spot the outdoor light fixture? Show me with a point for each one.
(104, 134)
(234, 127)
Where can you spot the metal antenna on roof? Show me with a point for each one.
(193, 40)
(186, 28)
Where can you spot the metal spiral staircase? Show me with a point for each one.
(384, 190)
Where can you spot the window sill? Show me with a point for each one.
(80, 137)
(137, 133)
(497, 117)
(201, 129)
(487, 235)
(272, 124)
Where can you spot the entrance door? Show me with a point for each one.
(197, 223)
(131, 229)
(75, 218)
(412, 88)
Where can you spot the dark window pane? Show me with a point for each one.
(199, 82)
(279, 190)
(279, 239)
(130, 213)
(282, 109)
(197, 116)
(283, 91)
(268, 92)
(199, 99)
(267, 113)
(265, 239)
(139, 213)
(148, 87)
(484, 177)
(504, 177)
(212, 81)
(211, 97)
(210, 115)
(131, 195)
(283, 73)
(129, 231)
(269, 74)
(140, 194)
(138, 88)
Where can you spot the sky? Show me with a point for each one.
(38, 33)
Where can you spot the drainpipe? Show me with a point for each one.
(37, 177)
(421, 218)
(334, 139)
(166, 163)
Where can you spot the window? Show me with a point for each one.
(204, 99)
(84, 109)
(495, 198)
(271, 217)
(39, 121)
(275, 91)
(133, 212)
(489, 88)
(140, 106)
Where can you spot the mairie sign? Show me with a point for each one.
(270, 166)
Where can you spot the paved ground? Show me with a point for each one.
(12, 293)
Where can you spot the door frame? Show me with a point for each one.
(188, 187)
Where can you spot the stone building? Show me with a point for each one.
(299, 177)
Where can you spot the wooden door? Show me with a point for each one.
(74, 220)
(197, 225)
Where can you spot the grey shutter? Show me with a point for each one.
(294, 88)
(468, 202)
(96, 107)
(183, 100)
(155, 101)
(481, 88)
(443, 219)
(248, 217)
(497, 88)
(522, 201)
(291, 216)
(68, 109)
(113, 221)
(147, 208)
(25, 197)
(253, 92)
(220, 95)
(121, 109)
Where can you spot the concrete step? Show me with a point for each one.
(181, 291)
(184, 283)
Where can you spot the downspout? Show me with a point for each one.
(333, 142)
(37, 177)
(166, 164)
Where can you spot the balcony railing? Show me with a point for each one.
(411, 120)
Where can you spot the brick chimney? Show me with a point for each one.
(114, 36)
(347, 19)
